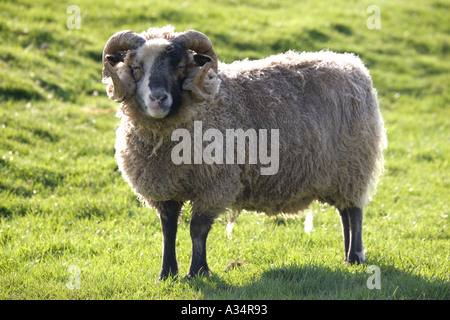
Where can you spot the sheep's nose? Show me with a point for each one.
(158, 98)
(158, 95)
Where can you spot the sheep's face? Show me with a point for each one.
(159, 70)
(152, 73)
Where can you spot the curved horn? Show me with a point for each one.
(198, 42)
(120, 41)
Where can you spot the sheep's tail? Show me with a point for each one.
(379, 132)
(234, 214)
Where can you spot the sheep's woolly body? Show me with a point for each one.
(331, 136)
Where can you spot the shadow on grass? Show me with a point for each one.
(316, 282)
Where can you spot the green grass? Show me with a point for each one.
(63, 202)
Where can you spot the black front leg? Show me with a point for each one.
(168, 214)
(200, 227)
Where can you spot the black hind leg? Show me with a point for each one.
(352, 230)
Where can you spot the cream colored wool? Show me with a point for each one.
(331, 135)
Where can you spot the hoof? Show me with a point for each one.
(164, 275)
(200, 273)
(356, 258)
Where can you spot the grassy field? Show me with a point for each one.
(70, 227)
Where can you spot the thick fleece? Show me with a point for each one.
(331, 137)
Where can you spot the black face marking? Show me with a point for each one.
(165, 65)
(167, 75)
(176, 55)
(158, 74)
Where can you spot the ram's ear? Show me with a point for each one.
(115, 58)
(202, 59)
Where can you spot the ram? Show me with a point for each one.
(322, 106)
